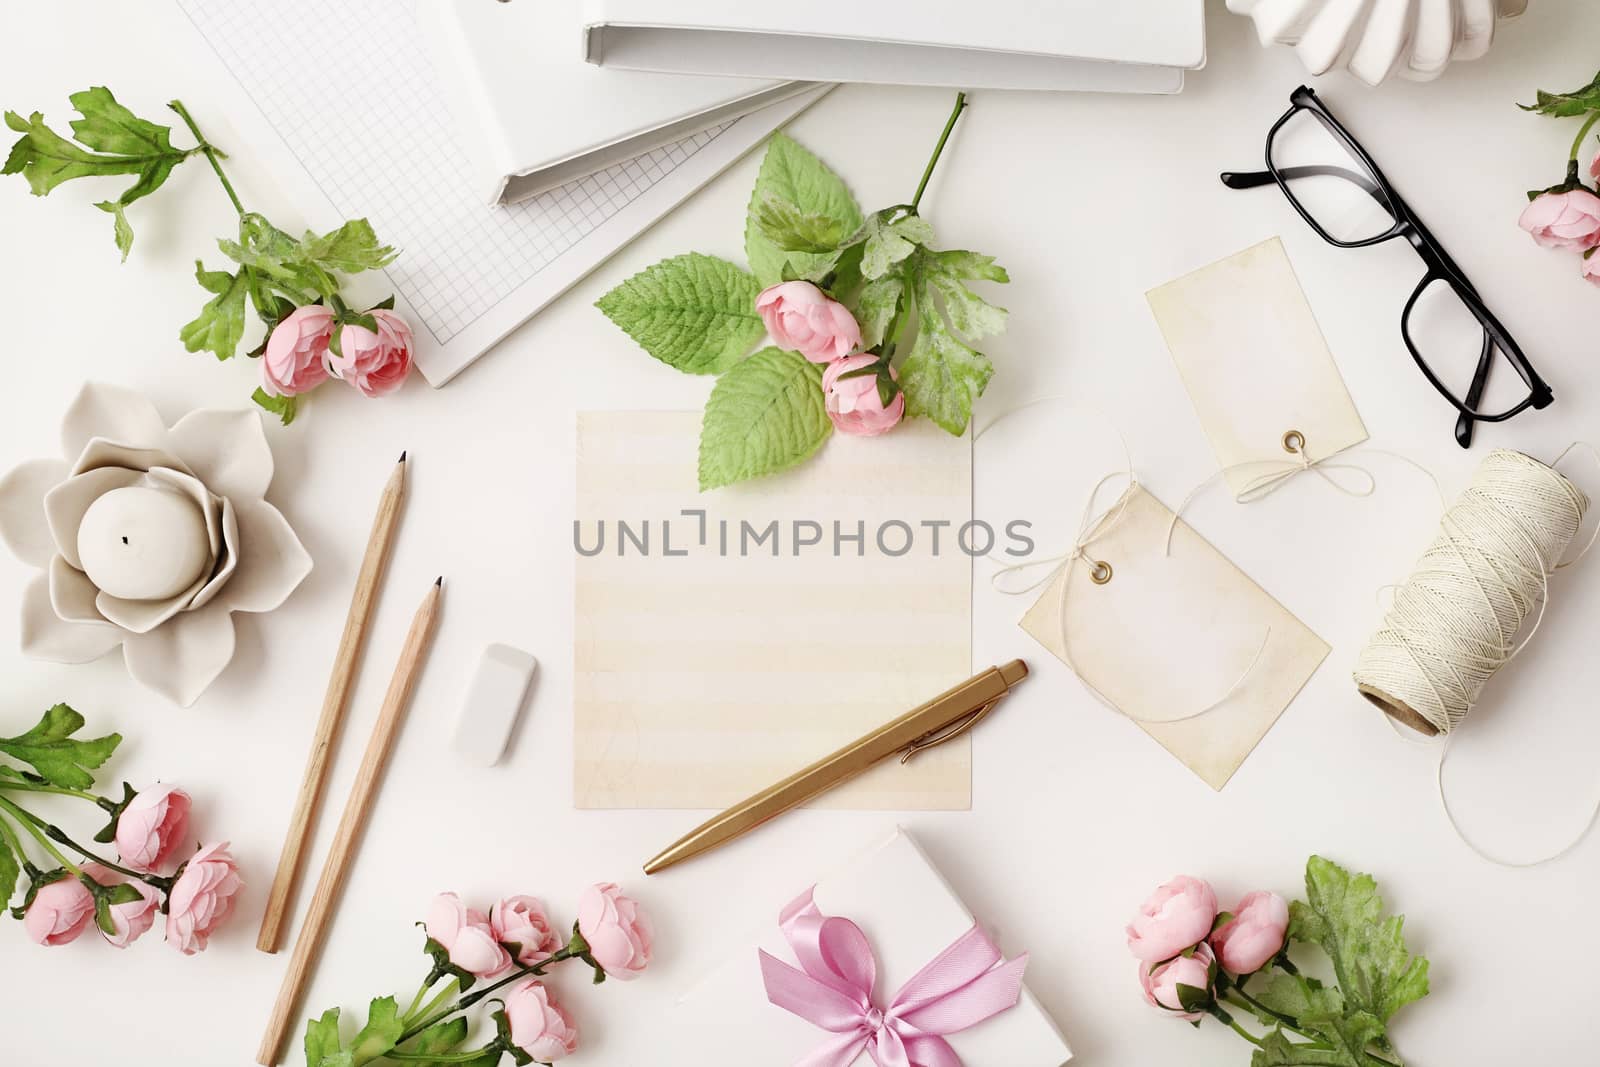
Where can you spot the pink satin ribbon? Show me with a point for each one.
(964, 985)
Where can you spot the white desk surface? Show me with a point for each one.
(1089, 201)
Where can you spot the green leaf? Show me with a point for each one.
(792, 174)
(381, 1033)
(220, 325)
(943, 375)
(1278, 1051)
(1344, 915)
(282, 406)
(693, 312)
(876, 305)
(121, 143)
(52, 751)
(764, 415)
(352, 248)
(441, 1038)
(947, 273)
(1567, 105)
(1193, 998)
(323, 1048)
(794, 230)
(10, 871)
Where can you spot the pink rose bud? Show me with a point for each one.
(1564, 220)
(1591, 268)
(1255, 934)
(60, 912)
(617, 930)
(296, 358)
(1177, 916)
(539, 1026)
(854, 404)
(522, 921)
(1161, 983)
(1594, 167)
(202, 898)
(375, 363)
(467, 937)
(152, 827)
(802, 318)
(132, 919)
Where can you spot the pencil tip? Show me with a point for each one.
(402, 457)
(439, 581)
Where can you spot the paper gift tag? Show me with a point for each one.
(1169, 634)
(909, 915)
(1255, 363)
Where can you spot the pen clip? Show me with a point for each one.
(950, 731)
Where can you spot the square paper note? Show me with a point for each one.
(1255, 364)
(1171, 634)
(726, 639)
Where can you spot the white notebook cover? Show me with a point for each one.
(534, 116)
(1120, 46)
(909, 914)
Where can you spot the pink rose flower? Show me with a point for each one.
(539, 1026)
(60, 912)
(802, 318)
(375, 363)
(133, 919)
(1591, 268)
(152, 827)
(1594, 167)
(1564, 220)
(617, 930)
(1161, 984)
(522, 921)
(202, 898)
(1177, 916)
(466, 935)
(1254, 935)
(854, 404)
(296, 358)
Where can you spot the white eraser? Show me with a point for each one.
(494, 698)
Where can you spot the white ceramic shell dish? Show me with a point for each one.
(213, 545)
(1374, 39)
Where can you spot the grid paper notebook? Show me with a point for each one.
(360, 108)
(715, 665)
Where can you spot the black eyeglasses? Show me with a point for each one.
(1337, 188)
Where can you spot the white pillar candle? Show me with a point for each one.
(139, 543)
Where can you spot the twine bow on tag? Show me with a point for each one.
(964, 985)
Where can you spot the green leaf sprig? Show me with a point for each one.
(1580, 103)
(273, 271)
(914, 304)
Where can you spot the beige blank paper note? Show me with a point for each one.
(1171, 634)
(729, 651)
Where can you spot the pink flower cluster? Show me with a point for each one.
(1179, 942)
(802, 318)
(299, 354)
(612, 932)
(1569, 219)
(149, 836)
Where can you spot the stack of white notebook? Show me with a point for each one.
(551, 90)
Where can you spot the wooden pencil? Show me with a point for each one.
(308, 946)
(340, 682)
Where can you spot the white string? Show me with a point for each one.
(1453, 624)
(1093, 525)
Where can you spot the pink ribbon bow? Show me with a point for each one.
(964, 985)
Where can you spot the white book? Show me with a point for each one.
(1108, 45)
(534, 116)
(909, 914)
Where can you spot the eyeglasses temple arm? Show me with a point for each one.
(1254, 179)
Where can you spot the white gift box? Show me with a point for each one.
(909, 915)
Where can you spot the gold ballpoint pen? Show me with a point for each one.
(945, 717)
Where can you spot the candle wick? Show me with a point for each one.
(124, 540)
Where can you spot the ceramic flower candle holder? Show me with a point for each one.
(149, 538)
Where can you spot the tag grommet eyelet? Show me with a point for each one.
(1294, 442)
(1100, 573)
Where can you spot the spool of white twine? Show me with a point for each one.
(1454, 622)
